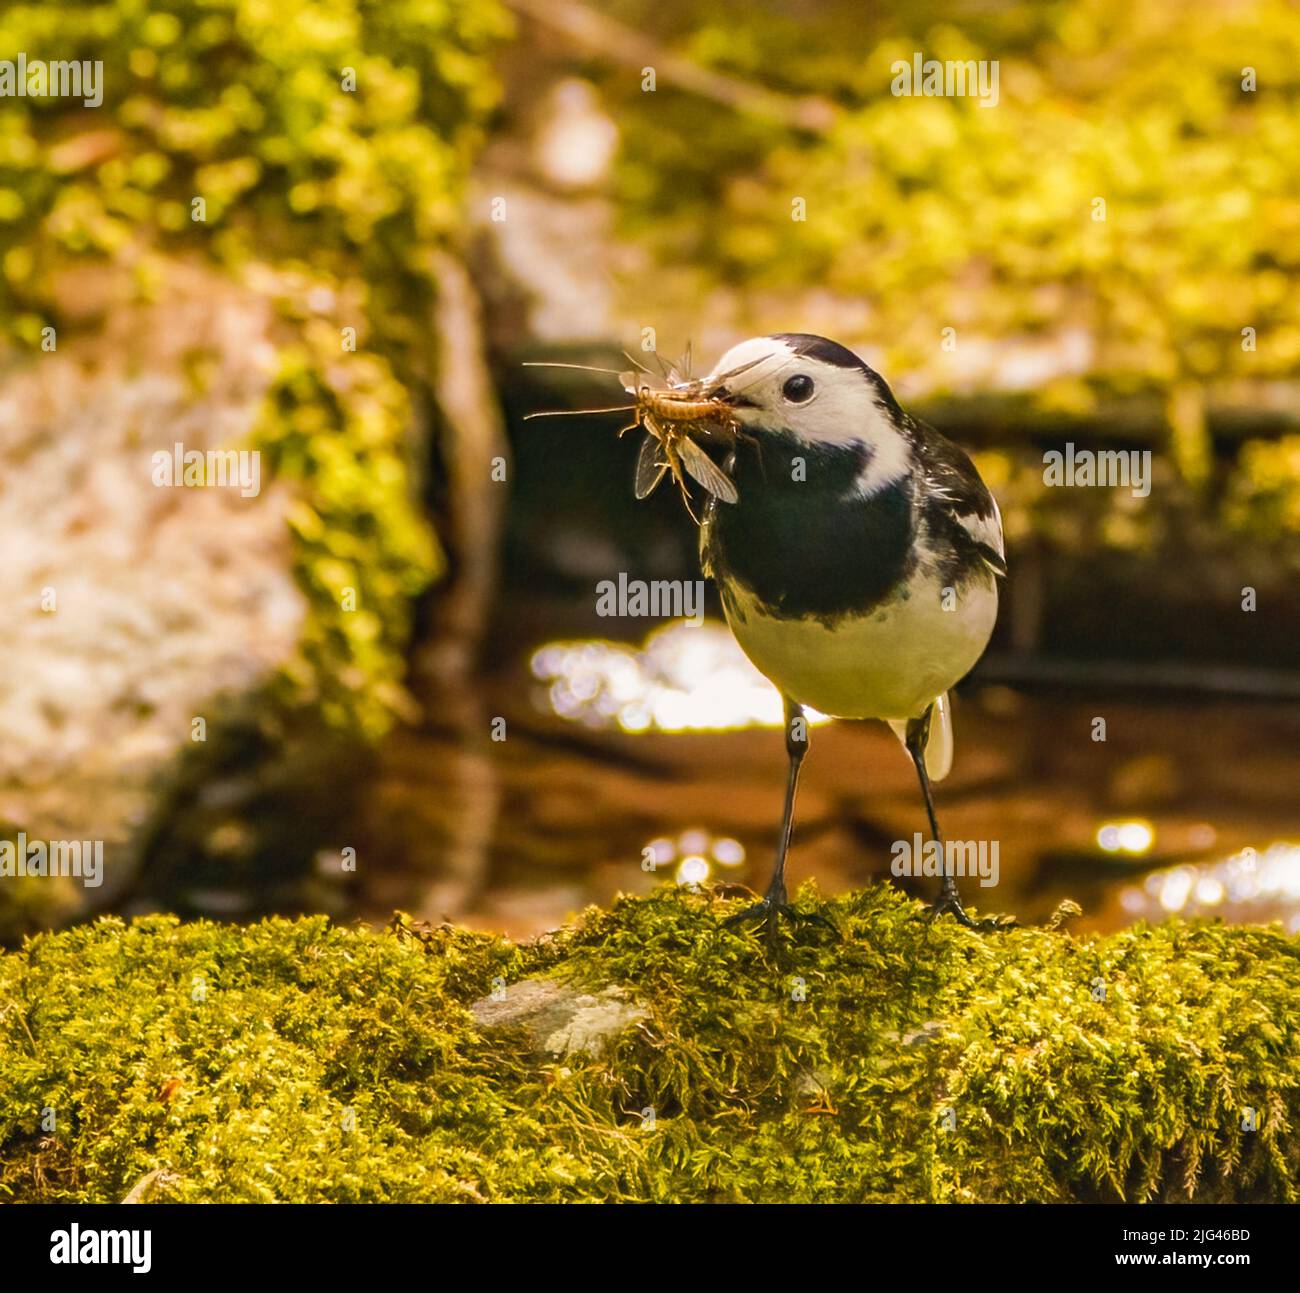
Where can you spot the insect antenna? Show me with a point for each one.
(636, 363)
(573, 413)
(582, 368)
(669, 371)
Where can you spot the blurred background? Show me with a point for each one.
(333, 231)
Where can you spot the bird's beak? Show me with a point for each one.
(728, 398)
(722, 387)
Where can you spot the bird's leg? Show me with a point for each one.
(776, 902)
(796, 746)
(949, 900)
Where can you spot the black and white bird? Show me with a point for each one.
(858, 565)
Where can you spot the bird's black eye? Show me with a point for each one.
(798, 389)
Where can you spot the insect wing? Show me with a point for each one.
(649, 470)
(705, 470)
(718, 378)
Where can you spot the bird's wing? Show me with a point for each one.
(957, 499)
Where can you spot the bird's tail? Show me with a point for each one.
(938, 742)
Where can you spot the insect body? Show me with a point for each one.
(673, 418)
(676, 418)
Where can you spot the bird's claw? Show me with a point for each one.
(950, 904)
(775, 907)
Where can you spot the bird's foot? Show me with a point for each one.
(949, 903)
(774, 907)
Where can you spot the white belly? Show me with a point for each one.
(890, 664)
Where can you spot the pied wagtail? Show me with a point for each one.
(858, 565)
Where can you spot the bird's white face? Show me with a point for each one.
(817, 391)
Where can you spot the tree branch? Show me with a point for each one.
(621, 44)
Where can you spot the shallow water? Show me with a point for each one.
(1187, 805)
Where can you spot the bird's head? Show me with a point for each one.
(815, 391)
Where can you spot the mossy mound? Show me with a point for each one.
(294, 1060)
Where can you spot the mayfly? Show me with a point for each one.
(673, 417)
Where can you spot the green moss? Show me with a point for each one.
(300, 1061)
(362, 551)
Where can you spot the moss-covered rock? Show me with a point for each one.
(235, 251)
(907, 1061)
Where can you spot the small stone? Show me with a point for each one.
(559, 1018)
